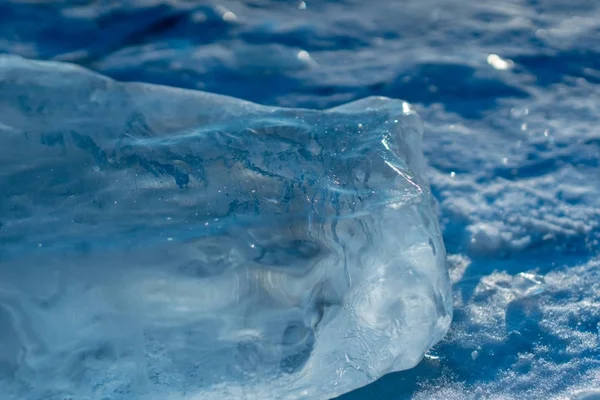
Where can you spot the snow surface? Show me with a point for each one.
(508, 91)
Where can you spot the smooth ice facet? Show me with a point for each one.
(164, 243)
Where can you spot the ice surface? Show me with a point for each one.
(163, 243)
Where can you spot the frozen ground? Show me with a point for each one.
(509, 94)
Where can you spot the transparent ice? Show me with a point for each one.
(158, 243)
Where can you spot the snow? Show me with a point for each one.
(508, 93)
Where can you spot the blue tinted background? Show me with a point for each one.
(508, 91)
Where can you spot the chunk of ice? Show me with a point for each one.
(172, 243)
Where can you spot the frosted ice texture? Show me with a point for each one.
(163, 243)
